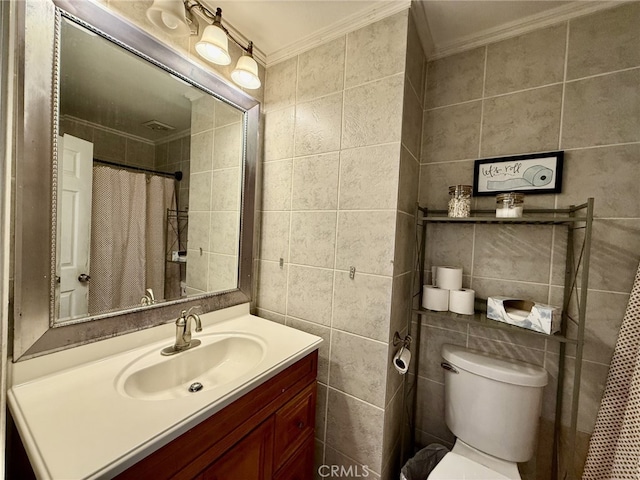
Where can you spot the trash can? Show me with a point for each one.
(423, 462)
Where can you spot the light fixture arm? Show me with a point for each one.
(178, 18)
(216, 19)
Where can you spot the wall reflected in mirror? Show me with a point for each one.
(149, 182)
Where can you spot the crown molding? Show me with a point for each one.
(346, 25)
(422, 27)
(127, 135)
(522, 26)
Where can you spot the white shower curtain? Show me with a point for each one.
(614, 448)
(128, 219)
(160, 197)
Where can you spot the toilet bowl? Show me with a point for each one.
(468, 463)
(457, 467)
(492, 406)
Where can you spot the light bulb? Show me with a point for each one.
(246, 73)
(214, 46)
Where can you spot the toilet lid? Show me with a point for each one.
(457, 467)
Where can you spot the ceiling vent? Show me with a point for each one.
(158, 126)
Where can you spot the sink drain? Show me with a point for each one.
(195, 387)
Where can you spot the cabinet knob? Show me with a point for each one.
(300, 425)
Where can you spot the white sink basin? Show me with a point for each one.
(137, 400)
(220, 359)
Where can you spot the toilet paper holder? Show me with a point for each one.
(403, 356)
(397, 340)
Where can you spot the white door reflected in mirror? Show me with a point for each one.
(74, 227)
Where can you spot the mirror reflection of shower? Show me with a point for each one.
(143, 155)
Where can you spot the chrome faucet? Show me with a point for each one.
(183, 333)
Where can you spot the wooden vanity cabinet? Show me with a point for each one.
(300, 464)
(249, 458)
(265, 435)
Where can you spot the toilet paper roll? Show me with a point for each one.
(449, 278)
(461, 301)
(401, 360)
(434, 298)
(535, 176)
(538, 175)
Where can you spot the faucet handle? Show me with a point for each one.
(181, 320)
(149, 294)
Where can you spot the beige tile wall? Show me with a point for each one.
(574, 86)
(175, 156)
(110, 145)
(214, 196)
(340, 182)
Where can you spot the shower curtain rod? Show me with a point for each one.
(177, 175)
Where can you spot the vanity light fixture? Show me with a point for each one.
(214, 46)
(246, 71)
(176, 17)
(169, 16)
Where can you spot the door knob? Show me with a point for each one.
(84, 278)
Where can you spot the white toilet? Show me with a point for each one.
(492, 406)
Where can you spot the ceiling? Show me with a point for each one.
(95, 88)
(281, 29)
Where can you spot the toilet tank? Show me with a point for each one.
(492, 403)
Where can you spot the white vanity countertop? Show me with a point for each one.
(75, 424)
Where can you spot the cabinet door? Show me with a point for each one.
(300, 465)
(249, 459)
(294, 422)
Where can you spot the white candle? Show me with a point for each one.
(509, 212)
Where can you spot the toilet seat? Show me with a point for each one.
(457, 467)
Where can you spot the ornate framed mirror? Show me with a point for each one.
(136, 180)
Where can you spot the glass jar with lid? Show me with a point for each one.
(459, 201)
(509, 205)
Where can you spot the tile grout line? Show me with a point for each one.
(482, 100)
(568, 149)
(288, 259)
(347, 332)
(603, 74)
(335, 250)
(387, 210)
(346, 394)
(474, 233)
(547, 345)
(546, 85)
(329, 152)
(564, 89)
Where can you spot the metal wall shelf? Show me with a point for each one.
(506, 221)
(578, 217)
(175, 233)
(480, 319)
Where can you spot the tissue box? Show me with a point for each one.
(525, 314)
